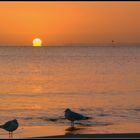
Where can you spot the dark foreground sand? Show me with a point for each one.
(123, 135)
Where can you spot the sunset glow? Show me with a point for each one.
(69, 22)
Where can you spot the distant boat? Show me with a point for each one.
(113, 42)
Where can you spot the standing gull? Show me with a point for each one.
(10, 126)
(73, 116)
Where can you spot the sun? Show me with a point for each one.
(37, 42)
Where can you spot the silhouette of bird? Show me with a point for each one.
(10, 126)
(73, 116)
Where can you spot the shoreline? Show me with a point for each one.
(117, 135)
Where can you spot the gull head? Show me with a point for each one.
(15, 120)
(67, 110)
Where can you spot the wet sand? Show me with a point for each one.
(42, 132)
(121, 135)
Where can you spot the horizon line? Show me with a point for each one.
(72, 44)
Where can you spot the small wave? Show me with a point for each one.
(51, 119)
(85, 109)
(54, 119)
(103, 114)
(102, 123)
(28, 118)
(137, 109)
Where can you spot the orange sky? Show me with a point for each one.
(69, 22)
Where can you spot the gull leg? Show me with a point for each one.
(72, 123)
(9, 135)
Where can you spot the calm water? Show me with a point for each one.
(38, 84)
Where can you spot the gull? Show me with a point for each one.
(10, 126)
(73, 116)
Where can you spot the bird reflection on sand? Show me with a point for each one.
(73, 130)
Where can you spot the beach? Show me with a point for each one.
(61, 131)
(123, 135)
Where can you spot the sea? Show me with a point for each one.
(102, 82)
